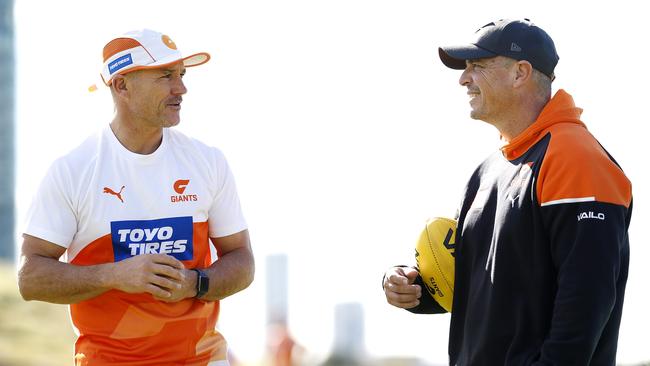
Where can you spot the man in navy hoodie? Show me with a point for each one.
(542, 246)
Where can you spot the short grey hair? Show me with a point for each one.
(543, 83)
(541, 80)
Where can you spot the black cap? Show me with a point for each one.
(517, 39)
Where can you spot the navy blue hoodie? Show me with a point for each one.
(542, 250)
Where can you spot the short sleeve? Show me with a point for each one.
(225, 216)
(52, 216)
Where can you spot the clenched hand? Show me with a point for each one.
(399, 288)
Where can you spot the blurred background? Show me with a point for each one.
(344, 132)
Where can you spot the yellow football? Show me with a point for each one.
(434, 255)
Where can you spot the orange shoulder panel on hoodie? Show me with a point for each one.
(575, 167)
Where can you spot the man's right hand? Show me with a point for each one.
(156, 274)
(41, 276)
(399, 288)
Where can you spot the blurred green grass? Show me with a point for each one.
(34, 332)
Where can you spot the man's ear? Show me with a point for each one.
(523, 73)
(120, 85)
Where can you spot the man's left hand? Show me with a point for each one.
(187, 288)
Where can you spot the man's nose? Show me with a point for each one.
(464, 77)
(179, 87)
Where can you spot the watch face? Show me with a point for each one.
(202, 283)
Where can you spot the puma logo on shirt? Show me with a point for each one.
(116, 194)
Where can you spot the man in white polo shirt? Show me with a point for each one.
(132, 211)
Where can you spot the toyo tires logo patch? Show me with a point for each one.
(171, 236)
(120, 63)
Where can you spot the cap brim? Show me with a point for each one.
(189, 61)
(454, 57)
(196, 59)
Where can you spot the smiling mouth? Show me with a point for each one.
(472, 95)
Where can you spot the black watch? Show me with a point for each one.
(202, 283)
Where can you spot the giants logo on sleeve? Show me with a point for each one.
(171, 236)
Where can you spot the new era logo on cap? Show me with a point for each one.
(142, 49)
(515, 47)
